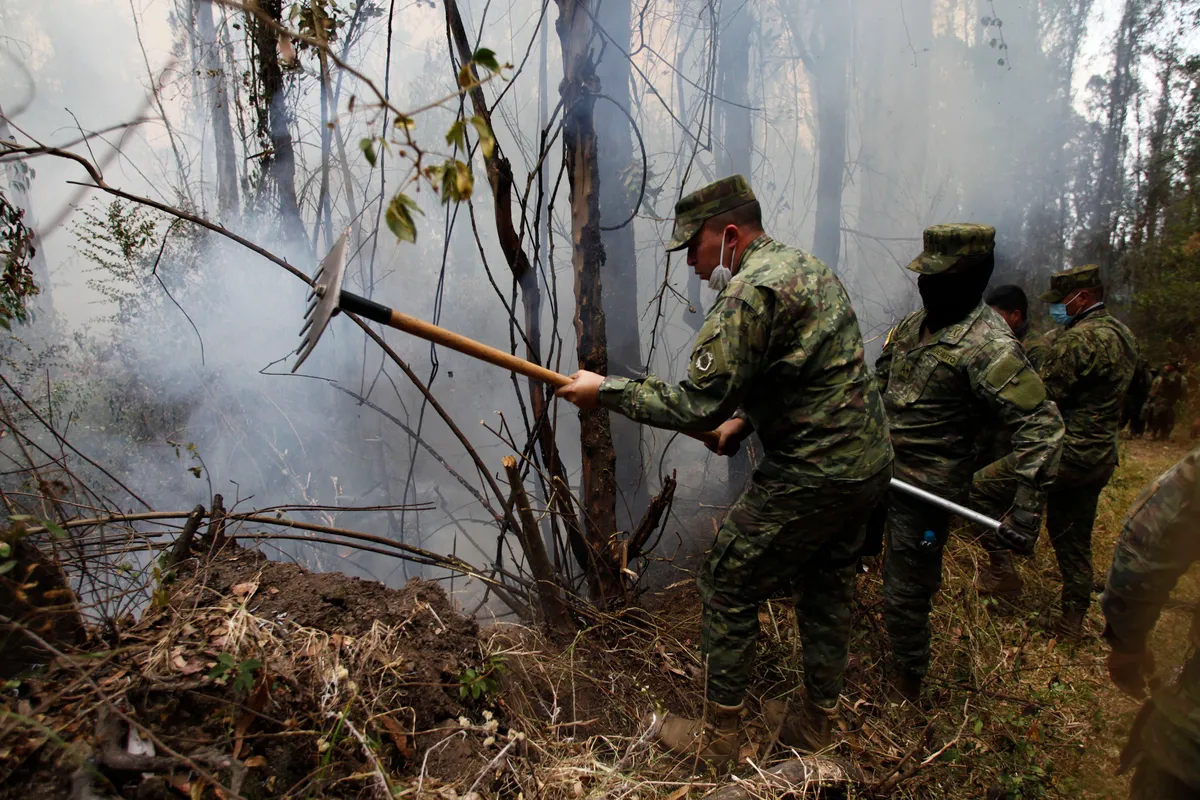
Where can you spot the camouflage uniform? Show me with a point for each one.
(1166, 392)
(1158, 543)
(939, 392)
(782, 346)
(1133, 411)
(1086, 375)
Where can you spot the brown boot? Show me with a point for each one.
(1070, 624)
(1000, 577)
(715, 739)
(809, 729)
(906, 687)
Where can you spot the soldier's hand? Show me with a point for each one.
(1019, 530)
(1129, 671)
(583, 390)
(730, 434)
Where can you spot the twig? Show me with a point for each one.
(384, 788)
(492, 764)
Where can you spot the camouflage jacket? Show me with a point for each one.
(1086, 374)
(1038, 346)
(1169, 389)
(940, 395)
(1159, 541)
(781, 341)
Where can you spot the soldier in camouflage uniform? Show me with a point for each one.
(999, 576)
(948, 371)
(780, 352)
(1158, 543)
(1086, 374)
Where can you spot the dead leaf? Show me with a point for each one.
(255, 761)
(397, 734)
(680, 792)
(244, 589)
(254, 706)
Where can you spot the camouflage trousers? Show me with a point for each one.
(912, 575)
(1070, 515)
(780, 538)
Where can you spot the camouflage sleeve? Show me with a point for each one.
(883, 364)
(728, 353)
(1158, 542)
(1063, 364)
(1003, 378)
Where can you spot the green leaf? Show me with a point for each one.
(5, 549)
(486, 58)
(6, 567)
(245, 675)
(487, 142)
(465, 78)
(399, 217)
(368, 149)
(978, 725)
(457, 135)
(55, 529)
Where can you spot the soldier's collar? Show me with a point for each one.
(760, 241)
(953, 334)
(1096, 309)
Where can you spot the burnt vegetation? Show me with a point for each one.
(403, 573)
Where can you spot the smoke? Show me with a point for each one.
(935, 128)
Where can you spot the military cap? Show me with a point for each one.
(946, 244)
(1067, 281)
(692, 211)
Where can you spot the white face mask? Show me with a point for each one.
(720, 276)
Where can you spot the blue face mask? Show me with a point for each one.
(1058, 313)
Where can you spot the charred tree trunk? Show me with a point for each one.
(1157, 176)
(578, 90)
(278, 161)
(228, 205)
(830, 49)
(618, 198)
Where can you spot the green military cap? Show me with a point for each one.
(1067, 281)
(692, 211)
(946, 244)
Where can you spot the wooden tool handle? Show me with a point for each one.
(457, 342)
(470, 347)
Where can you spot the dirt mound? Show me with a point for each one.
(258, 678)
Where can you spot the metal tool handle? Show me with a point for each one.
(941, 502)
(462, 344)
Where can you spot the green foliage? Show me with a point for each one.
(483, 681)
(16, 251)
(242, 672)
(399, 217)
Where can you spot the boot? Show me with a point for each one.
(715, 739)
(906, 687)
(809, 729)
(1070, 624)
(999, 577)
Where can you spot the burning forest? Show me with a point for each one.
(296, 294)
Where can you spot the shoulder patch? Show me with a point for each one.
(708, 361)
(1015, 382)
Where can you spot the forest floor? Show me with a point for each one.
(260, 679)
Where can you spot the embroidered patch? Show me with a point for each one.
(704, 362)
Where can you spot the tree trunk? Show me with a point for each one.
(734, 122)
(830, 48)
(1120, 90)
(19, 177)
(580, 149)
(228, 205)
(618, 195)
(278, 163)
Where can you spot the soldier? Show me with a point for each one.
(1086, 374)
(999, 576)
(1133, 408)
(781, 347)
(948, 371)
(1166, 392)
(1158, 543)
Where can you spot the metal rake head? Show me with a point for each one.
(323, 299)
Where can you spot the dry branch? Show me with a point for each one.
(184, 543)
(554, 610)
